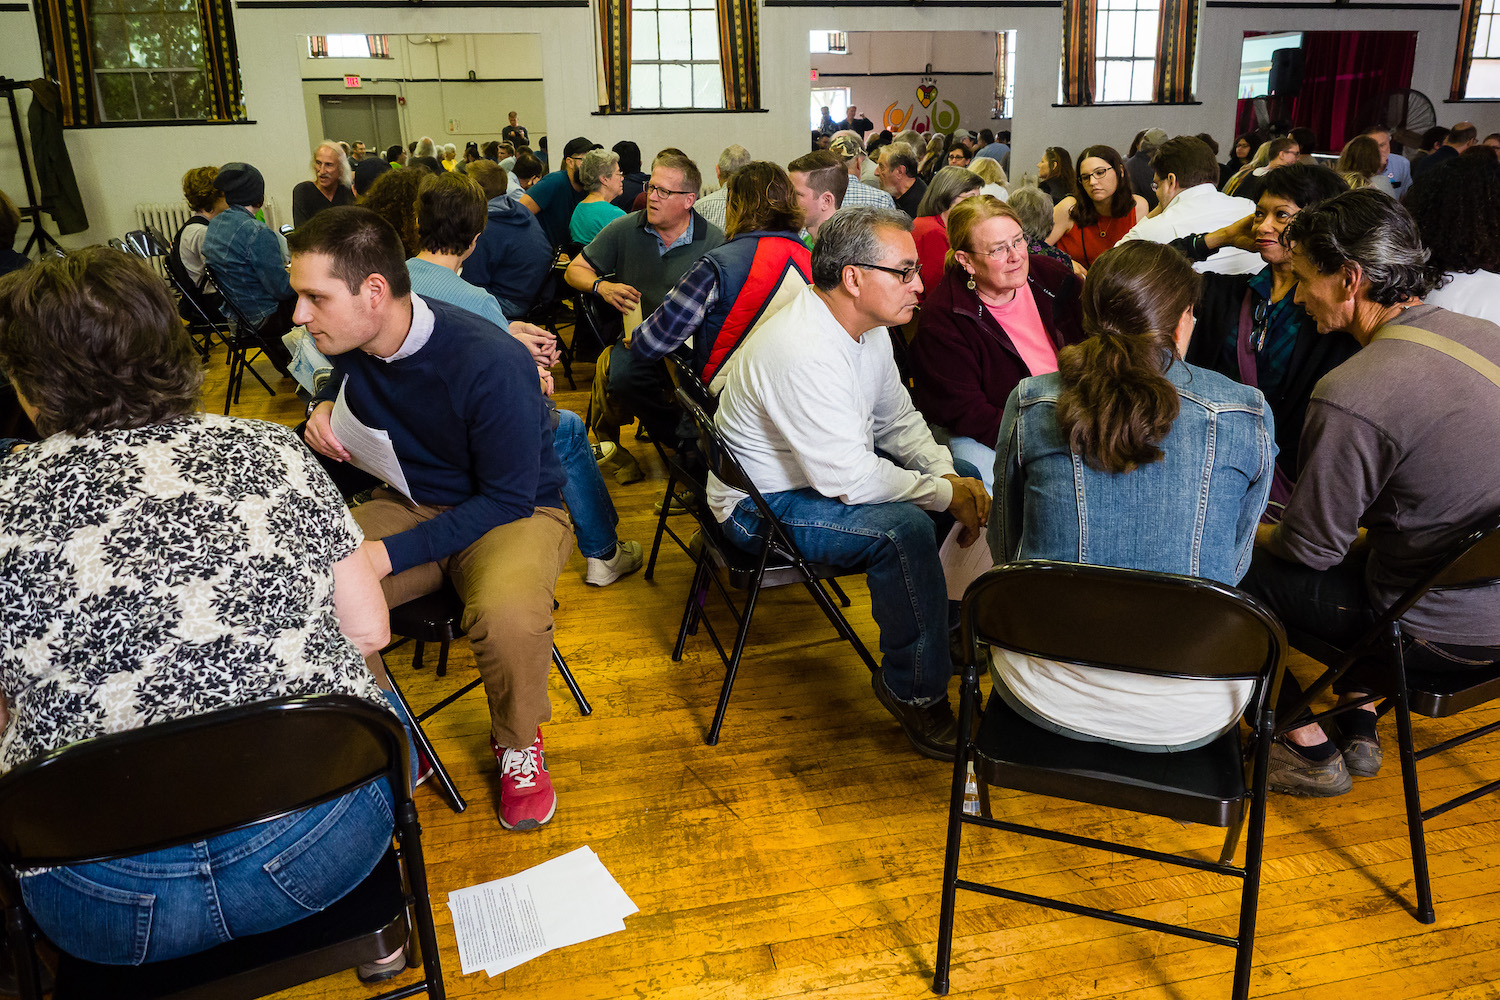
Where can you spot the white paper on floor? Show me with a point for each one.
(511, 920)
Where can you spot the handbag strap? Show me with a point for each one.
(1458, 352)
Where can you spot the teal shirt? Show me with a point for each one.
(434, 281)
(590, 217)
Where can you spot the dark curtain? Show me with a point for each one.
(1176, 40)
(1468, 25)
(1343, 71)
(614, 35)
(1079, 17)
(739, 53)
(222, 56)
(71, 51)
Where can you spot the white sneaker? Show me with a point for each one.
(603, 572)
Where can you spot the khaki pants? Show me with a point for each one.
(506, 580)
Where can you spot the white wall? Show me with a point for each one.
(119, 167)
(884, 70)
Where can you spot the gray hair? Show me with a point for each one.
(851, 236)
(1034, 206)
(946, 185)
(899, 154)
(425, 147)
(733, 158)
(346, 172)
(450, 151)
(597, 164)
(1371, 229)
(913, 139)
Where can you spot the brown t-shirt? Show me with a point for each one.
(1405, 441)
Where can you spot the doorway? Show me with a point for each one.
(368, 118)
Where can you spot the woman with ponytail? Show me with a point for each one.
(1129, 456)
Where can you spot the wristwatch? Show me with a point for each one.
(597, 282)
(312, 406)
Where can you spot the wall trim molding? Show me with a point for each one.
(354, 91)
(1324, 5)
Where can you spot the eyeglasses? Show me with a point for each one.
(1017, 246)
(657, 191)
(1097, 174)
(904, 273)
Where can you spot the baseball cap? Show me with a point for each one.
(579, 146)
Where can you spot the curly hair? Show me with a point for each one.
(1455, 207)
(1116, 405)
(94, 342)
(761, 199)
(1369, 228)
(393, 197)
(198, 188)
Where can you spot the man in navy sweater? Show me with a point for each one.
(474, 484)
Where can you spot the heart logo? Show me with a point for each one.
(927, 93)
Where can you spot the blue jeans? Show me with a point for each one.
(981, 456)
(587, 497)
(896, 544)
(165, 904)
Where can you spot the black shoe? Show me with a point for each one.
(932, 729)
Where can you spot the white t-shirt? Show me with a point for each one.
(1476, 295)
(1201, 209)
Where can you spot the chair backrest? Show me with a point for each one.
(115, 243)
(1473, 562)
(147, 243)
(234, 315)
(196, 778)
(684, 378)
(600, 318)
(1124, 619)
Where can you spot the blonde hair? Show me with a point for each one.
(989, 171)
(965, 217)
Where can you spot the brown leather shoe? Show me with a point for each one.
(932, 729)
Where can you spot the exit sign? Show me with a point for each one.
(351, 81)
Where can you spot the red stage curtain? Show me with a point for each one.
(1343, 71)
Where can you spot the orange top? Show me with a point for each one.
(1085, 243)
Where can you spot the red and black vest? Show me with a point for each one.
(758, 273)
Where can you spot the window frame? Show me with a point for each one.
(714, 67)
(1137, 63)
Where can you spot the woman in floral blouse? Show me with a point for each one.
(158, 563)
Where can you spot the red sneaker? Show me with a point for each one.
(526, 796)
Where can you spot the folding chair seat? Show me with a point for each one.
(747, 571)
(245, 343)
(1473, 562)
(1138, 622)
(438, 617)
(127, 793)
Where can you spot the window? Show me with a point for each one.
(1125, 50)
(1255, 61)
(835, 99)
(834, 43)
(1484, 68)
(674, 55)
(148, 60)
(349, 47)
(1005, 75)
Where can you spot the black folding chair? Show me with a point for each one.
(685, 467)
(245, 343)
(1127, 620)
(747, 570)
(127, 793)
(205, 323)
(438, 617)
(548, 311)
(1473, 562)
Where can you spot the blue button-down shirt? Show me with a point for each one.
(246, 257)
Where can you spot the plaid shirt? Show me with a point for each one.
(680, 314)
(860, 193)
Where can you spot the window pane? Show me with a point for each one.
(111, 48)
(708, 86)
(1484, 78)
(1145, 34)
(147, 44)
(192, 95)
(116, 96)
(155, 93)
(1142, 80)
(675, 37)
(642, 35)
(186, 41)
(1121, 35)
(645, 87)
(1117, 87)
(672, 4)
(676, 85)
(705, 34)
(643, 5)
(1101, 76)
(1493, 48)
(348, 46)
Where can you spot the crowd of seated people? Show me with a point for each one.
(1280, 393)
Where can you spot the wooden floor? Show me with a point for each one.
(802, 856)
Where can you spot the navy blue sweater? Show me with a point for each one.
(469, 424)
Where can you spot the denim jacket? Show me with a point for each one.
(247, 257)
(1194, 512)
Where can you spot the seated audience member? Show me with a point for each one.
(553, 198)
(449, 156)
(897, 173)
(1397, 168)
(480, 501)
(814, 409)
(450, 215)
(427, 164)
(1244, 149)
(993, 176)
(994, 150)
(1261, 157)
(959, 156)
(1283, 152)
(820, 180)
(186, 259)
(1105, 209)
(714, 206)
(996, 316)
(396, 156)
(1054, 174)
(934, 156)
(247, 258)
(1127, 433)
(857, 192)
(1457, 211)
(1460, 137)
(367, 172)
(393, 197)
(1361, 166)
(330, 186)
(1036, 214)
(10, 224)
(852, 148)
(1307, 142)
(202, 600)
(1402, 440)
(492, 150)
(1492, 140)
(1138, 164)
(1252, 328)
(1188, 203)
(949, 186)
(598, 174)
(512, 256)
(528, 170)
(471, 153)
(632, 264)
(635, 179)
(729, 292)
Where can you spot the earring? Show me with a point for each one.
(971, 281)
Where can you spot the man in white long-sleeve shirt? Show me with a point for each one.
(1188, 203)
(815, 411)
